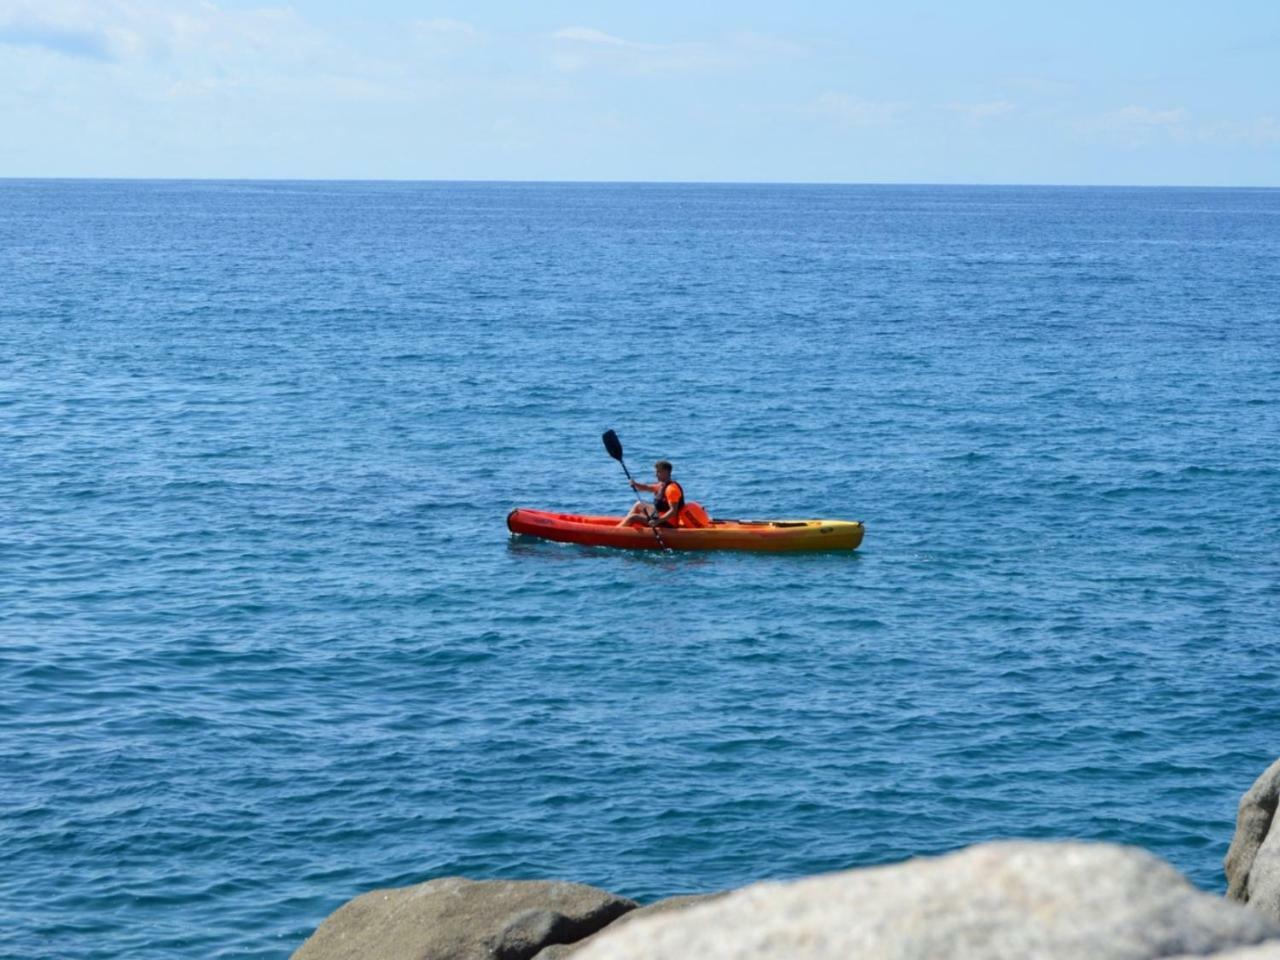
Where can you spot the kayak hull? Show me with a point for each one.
(770, 536)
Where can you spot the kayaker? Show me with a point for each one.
(668, 500)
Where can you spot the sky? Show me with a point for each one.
(1125, 92)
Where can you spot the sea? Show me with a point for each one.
(267, 644)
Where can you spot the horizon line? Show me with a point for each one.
(605, 182)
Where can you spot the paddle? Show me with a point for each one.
(614, 446)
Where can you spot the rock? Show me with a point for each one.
(1265, 951)
(669, 905)
(1252, 863)
(458, 919)
(1068, 901)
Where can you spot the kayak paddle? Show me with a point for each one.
(614, 446)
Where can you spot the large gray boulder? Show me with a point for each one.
(1252, 863)
(457, 919)
(1263, 951)
(1063, 901)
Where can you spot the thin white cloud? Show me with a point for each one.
(66, 41)
(166, 50)
(443, 26)
(123, 30)
(1040, 87)
(599, 37)
(766, 48)
(855, 111)
(1138, 125)
(1264, 130)
(69, 28)
(441, 40)
(1144, 117)
(977, 112)
(1261, 131)
(581, 47)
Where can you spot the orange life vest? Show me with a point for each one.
(662, 503)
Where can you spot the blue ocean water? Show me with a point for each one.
(266, 644)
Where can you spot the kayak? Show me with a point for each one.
(762, 535)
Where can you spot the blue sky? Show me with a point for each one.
(1088, 93)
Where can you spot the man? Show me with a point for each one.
(668, 500)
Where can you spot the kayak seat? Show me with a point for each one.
(693, 515)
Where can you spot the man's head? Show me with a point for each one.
(663, 469)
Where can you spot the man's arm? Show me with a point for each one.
(662, 517)
(672, 509)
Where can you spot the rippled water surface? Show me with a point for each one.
(265, 642)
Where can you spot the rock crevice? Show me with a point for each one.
(1252, 863)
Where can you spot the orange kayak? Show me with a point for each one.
(762, 535)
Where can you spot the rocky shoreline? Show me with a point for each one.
(1058, 901)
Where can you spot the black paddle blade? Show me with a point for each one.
(613, 445)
